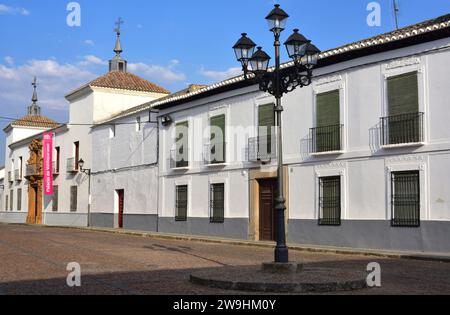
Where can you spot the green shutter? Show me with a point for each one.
(182, 143)
(217, 148)
(327, 108)
(266, 119)
(403, 94)
(327, 134)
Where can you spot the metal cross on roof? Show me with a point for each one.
(34, 84)
(118, 23)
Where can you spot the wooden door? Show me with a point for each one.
(120, 198)
(267, 213)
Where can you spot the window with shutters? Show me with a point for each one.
(55, 199)
(217, 146)
(217, 203)
(73, 198)
(6, 203)
(330, 200)
(11, 201)
(181, 203)
(327, 135)
(405, 190)
(266, 123)
(180, 156)
(403, 123)
(19, 199)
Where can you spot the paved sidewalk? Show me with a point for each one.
(426, 256)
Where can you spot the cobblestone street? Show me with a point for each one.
(34, 261)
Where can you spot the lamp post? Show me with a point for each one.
(255, 66)
(87, 171)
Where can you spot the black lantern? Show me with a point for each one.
(277, 19)
(311, 57)
(81, 164)
(260, 61)
(244, 49)
(296, 45)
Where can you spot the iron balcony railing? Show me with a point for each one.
(17, 175)
(179, 158)
(10, 177)
(402, 129)
(214, 153)
(33, 170)
(72, 165)
(262, 148)
(326, 138)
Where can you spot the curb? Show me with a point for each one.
(296, 247)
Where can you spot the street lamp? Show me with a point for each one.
(255, 66)
(87, 171)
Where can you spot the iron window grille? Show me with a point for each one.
(73, 198)
(19, 199)
(402, 129)
(405, 195)
(217, 203)
(326, 138)
(181, 203)
(55, 199)
(330, 201)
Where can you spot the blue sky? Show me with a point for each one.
(172, 42)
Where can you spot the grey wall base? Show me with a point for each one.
(138, 222)
(13, 217)
(432, 236)
(64, 219)
(231, 228)
(105, 220)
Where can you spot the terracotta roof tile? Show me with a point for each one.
(34, 122)
(127, 81)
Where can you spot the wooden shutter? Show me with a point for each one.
(217, 145)
(55, 199)
(181, 202)
(182, 144)
(217, 203)
(403, 94)
(266, 119)
(73, 198)
(19, 199)
(327, 109)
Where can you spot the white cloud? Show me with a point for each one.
(89, 42)
(54, 81)
(221, 75)
(165, 74)
(4, 9)
(9, 60)
(92, 60)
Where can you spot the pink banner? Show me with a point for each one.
(47, 145)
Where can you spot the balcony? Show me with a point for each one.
(72, 165)
(214, 154)
(179, 159)
(33, 170)
(326, 139)
(262, 149)
(402, 130)
(10, 177)
(17, 175)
